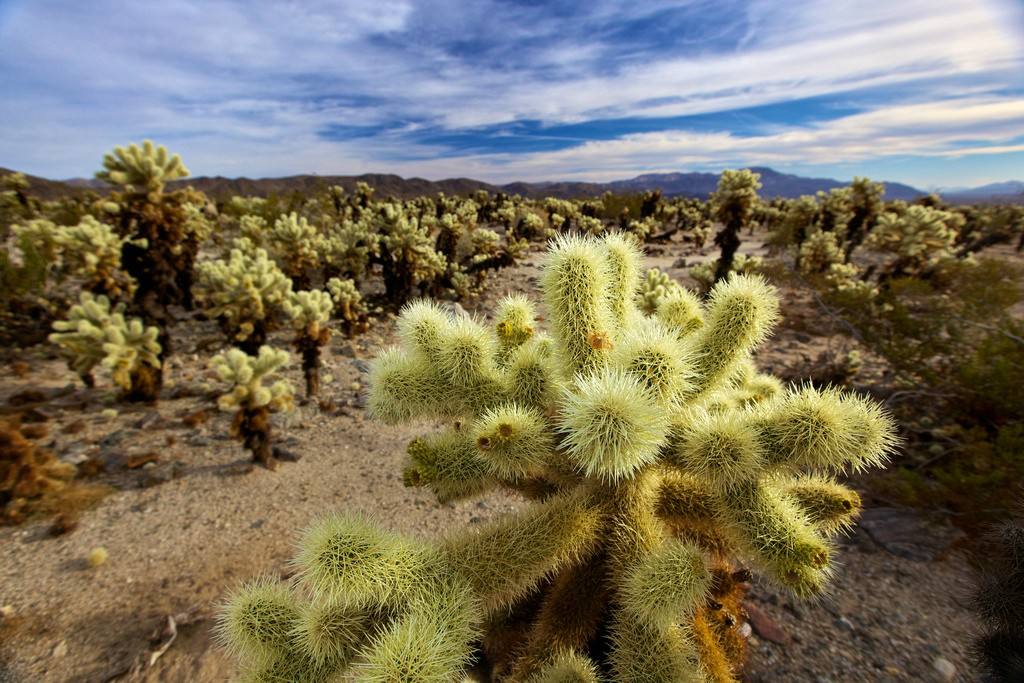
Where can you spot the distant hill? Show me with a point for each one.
(699, 185)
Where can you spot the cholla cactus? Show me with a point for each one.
(42, 235)
(348, 303)
(704, 273)
(655, 286)
(142, 169)
(252, 402)
(91, 251)
(244, 293)
(819, 253)
(310, 312)
(27, 471)
(253, 228)
(295, 244)
(732, 205)
(406, 252)
(655, 458)
(94, 334)
(921, 237)
(347, 249)
(866, 200)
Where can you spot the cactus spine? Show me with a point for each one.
(656, 460)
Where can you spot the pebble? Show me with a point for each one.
(60, 649)
(945, 669)
(844, 624)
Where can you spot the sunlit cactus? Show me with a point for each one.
(819, 253)
(42, 236)
(164, 237)
(145, 168)
(244, 293)
(921, 238)
(406, 252)
(742, 264)
(732, 204)
(347, 249)
(296, 245)
(655, 286)
(309, 312)
(91, 252)
(94, 334)
(348, 306)
(657, 459)
(866, 198)
(251, 400)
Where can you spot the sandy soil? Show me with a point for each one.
(182, 530)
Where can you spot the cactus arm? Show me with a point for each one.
(503, 560)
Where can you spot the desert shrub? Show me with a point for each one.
(28, 472)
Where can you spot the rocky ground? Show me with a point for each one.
(188, 518)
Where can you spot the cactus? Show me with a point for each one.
(654, 288)
(94, 334)
(866, 200)
(27, 471)
(656, 457)
(164, 234)
(406, 252)
(142, 169)
(998, 599)
(244, 293)
(91, 251)
(295, 244)
(252, 402)
(347, 249)
(819, 253)
(310, 312)
(732, 204)
(921, 238)
(348, 303)
(704, 273)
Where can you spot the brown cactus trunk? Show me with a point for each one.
(252, 427)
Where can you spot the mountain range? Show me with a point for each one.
(700, 185)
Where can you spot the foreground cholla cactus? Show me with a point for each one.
(310, 312)
(252, 402)
(94, 334)
(657, 459)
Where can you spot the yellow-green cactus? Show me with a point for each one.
(406, 252)
(656, 286)
(244, 293)
(295, 243)
(704, 273)
(309, 312)
(657, 459)
(921, 238)
(251, 400)
(91, 251)
(142, 169)
(94, 334)
(819, 253)
(349, 305)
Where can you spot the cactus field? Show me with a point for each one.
(337, 435)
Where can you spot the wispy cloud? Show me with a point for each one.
(507, 90)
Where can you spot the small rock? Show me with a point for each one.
(73, 427)
(258, 524)
(6, 612)
(944, 669)
(907, 534)
(113, 438)
(679, 263)
(766, 627)
(844, 624)
(148, 421)
(60, 649)
(136, 461)
(75, 454)
(361, 365)
(348, 349)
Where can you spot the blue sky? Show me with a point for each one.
(925, 92)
